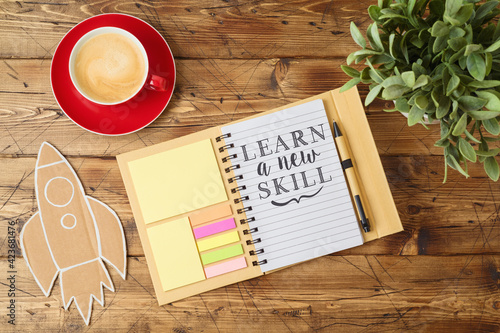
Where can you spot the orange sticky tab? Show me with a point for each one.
(210, 214)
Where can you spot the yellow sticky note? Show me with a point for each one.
(175, 254)
(177, 181)
(219, 240)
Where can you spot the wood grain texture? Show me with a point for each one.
(195, 29)
(235, 59)
(208, 93)
(335, 293)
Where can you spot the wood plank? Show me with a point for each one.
(220, 29)
(208, 93)
(336, 293)
(459, 217)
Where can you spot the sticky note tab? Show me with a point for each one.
(214, 228)
(175, 254)
(225, 267)
(177, 181)
(210, 214)
(218, 255)
(219, 240)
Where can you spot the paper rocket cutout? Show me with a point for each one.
(71, 235)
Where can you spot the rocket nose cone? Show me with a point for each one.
(48, 155)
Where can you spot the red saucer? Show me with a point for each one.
(127, 117)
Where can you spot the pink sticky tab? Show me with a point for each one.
(214, 228)
(225, 267)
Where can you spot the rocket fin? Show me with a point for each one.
(83, 283)
(111, 235)
(37, 254)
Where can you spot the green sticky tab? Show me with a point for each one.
(222, 254)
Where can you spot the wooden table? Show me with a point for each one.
(235, 59)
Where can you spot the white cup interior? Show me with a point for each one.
(97, 32)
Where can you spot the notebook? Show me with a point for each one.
(247, 198)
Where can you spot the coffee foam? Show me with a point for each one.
(109, 68)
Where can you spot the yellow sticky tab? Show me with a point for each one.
(219, 240)
(175, 254)
(177, 181)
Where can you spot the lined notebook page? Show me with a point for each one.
(295, 185)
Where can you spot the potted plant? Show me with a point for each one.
(437, 60)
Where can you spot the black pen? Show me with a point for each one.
(348, 168)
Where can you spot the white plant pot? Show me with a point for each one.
(426, 119)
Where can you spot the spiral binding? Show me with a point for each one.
(236, 189)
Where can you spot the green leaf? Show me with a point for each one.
(440, 44)
(461, 16)
(375, 40)
(365, 53)
(374, 75)
(466, 149)
(374, 12)
(491, 125)
(402, 105)
(493, 152)
(484, 84)
(452, 7)
(351, 83)
(484, 10)
(456, 32)
(372, 94)
(393, 80)
(489, 62)
(457, 44)
(454, 110)
(452, 84)
(393, 92)
(418, 69)
(422, 102)
(491, 168)
(351, 58)
(408, 78)
(392, 15)
(493, 47)
(458, 55)
(460, 126)
(470, 137)
(391, 44)
(470, 103)
(493, 102)
(443, 108)
(476, 66)
(452, 162)
(357, 36)
(415, 115)
(483, 114)
(440, 29)
(471, 48)
(421, 81)
(350, 71)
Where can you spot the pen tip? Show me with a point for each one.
(336, 129)
(366, 228)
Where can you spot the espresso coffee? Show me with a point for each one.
(109, 68)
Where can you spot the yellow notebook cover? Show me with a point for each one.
(188, 195)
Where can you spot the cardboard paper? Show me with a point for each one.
(177, 181)
(71, 235)
(174, 250)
